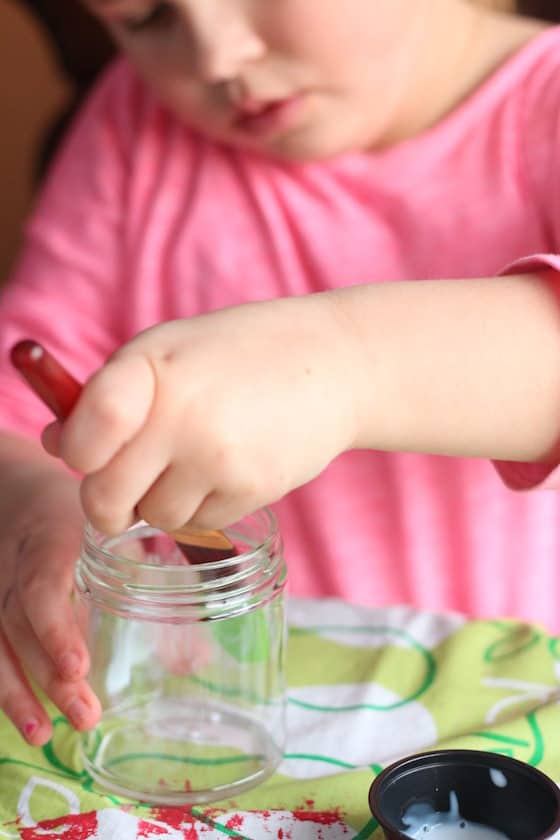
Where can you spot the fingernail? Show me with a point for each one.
(69, 665)
(78, 711)
(30, 727)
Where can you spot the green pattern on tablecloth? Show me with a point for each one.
(366, 686)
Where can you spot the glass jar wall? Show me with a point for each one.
(187, 661)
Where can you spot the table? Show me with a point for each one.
(366, 686)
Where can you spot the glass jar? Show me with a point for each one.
(187, 661)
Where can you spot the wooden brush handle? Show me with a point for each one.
(48, 379)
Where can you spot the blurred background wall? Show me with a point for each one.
(32, 90)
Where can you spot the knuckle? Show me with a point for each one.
(111, 412)
(56, 689)
(229, 463)
(240, 482)
(99, 506)
(217, 513)
(95, 503)
(54, 639)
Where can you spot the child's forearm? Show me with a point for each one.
(462, 367)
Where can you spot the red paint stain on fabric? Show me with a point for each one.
(214, 813)
(150, 829)
(317, 820)
(84, 826)
(235, 823)
(74, 827)
(307, 813)
(331, 817)
(320, 817)
(173, 817)
(180, 819)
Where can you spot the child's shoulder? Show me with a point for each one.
(536, 93)
(520, 100)
(534, 71)
(520, 68)
(531, 126)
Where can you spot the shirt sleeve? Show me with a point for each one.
(65, 282)
(539, 134)
(519, 475)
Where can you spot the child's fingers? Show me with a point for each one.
(113, 407)
(50, 438)
(221, 509)
(56, 627)
(75, 699)
(171, 500)
(140, 472)
(18, 701)
(178, 497)
(110, 496)
(44, 583)
(140, 482)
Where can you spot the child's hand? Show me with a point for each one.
(208, 419)
(39, 545)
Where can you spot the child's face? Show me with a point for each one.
(298, 79)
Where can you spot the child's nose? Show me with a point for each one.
(224, 42)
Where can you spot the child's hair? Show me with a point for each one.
(546, 9)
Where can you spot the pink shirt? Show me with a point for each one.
(142, 221)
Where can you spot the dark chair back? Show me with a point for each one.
(546, 9)
(81, 47)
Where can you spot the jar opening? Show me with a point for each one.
(144, 569)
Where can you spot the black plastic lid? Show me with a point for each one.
(525, 805)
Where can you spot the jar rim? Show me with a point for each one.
(92, 536)
(223, 587)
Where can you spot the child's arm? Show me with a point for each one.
(215, 416)
(220, 414)
(39, 543)
(464, 367)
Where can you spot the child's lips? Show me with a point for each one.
(261, 118)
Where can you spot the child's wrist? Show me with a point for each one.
(350, 382)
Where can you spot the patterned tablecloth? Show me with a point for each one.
(366, 686)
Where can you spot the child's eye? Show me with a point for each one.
(159, 15)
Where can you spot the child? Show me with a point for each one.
(247, 151)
